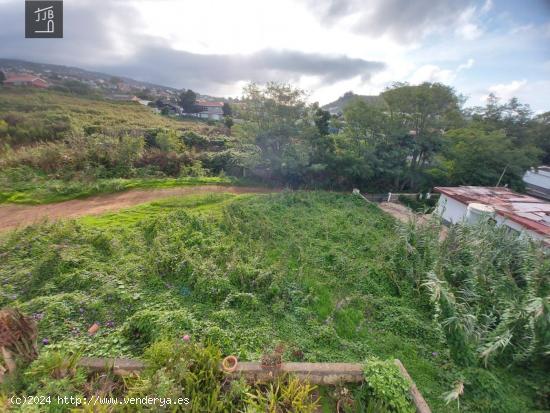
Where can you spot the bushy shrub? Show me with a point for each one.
(147, 326)
(385, 386)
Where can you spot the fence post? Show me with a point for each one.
(389, 197)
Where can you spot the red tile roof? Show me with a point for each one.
(530, 212)
(25, 78)
(22, 78)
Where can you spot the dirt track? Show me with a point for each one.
(13, 216)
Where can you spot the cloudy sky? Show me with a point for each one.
(325, 46)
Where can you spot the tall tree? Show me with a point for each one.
(474, 156)
(187, 101)
(275, 116)
(425, 111)
(227, 110)
(2, 77)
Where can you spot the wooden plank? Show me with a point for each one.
(418, 400)
(315, 373)
(119, 367)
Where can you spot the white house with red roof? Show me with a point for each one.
(23, 79)
(521, 213)
(209, 110)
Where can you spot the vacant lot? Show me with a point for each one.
(315, 271)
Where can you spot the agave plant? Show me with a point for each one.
(18, 334)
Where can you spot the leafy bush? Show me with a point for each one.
(386, 387)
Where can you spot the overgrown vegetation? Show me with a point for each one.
(413, 138)
(55, 147)
(323, 273)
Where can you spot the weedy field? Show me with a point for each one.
(320, 274)
(32, 116)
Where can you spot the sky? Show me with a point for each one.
(327, 47)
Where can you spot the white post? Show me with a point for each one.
(389, 196)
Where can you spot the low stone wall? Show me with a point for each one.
(316, 373)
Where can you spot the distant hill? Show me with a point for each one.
(56, 74)
(338, 105)
(72, 72)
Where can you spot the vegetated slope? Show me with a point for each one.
(320, 272)
(34, 116)
(55, 147)
(59, 70)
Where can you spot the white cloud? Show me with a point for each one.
(434, 73)
(467, 65)
(487, 6)
(507, 90)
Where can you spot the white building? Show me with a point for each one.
(209, 110)
(537, 182)
(522, 213)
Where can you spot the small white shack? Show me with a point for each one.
(522, 213)
(537, 182)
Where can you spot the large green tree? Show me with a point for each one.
(275, 116)
(187, 101)
(426, 111)
(473, 156)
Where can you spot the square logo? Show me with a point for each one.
(43, 19)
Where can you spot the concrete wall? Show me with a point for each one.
(453, 212)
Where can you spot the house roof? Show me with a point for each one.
(22, 78)
(209, 104)
(530, 212)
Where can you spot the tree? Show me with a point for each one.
(425, 111)
(227, 110)
(540, 133)
(2, 77)
(228, 122)
(476, 157)
(322, 120)
(187, 101)
(377, 145)
(275, 118)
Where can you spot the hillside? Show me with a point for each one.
(48, 70)
(339, 104)
(36, 115)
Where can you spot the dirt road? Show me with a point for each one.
(404, 214)
(14, 216)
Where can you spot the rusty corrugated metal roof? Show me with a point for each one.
(530, 212)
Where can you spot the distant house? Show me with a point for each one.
(520, 213)
(537, 182)
(25, 80)
(168, 108)
(209, 110)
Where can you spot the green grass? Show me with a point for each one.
(42, 190)
(311, 270)
(38, 110)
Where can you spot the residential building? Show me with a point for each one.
(209, 110)
(19, 79)
(521, 213)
